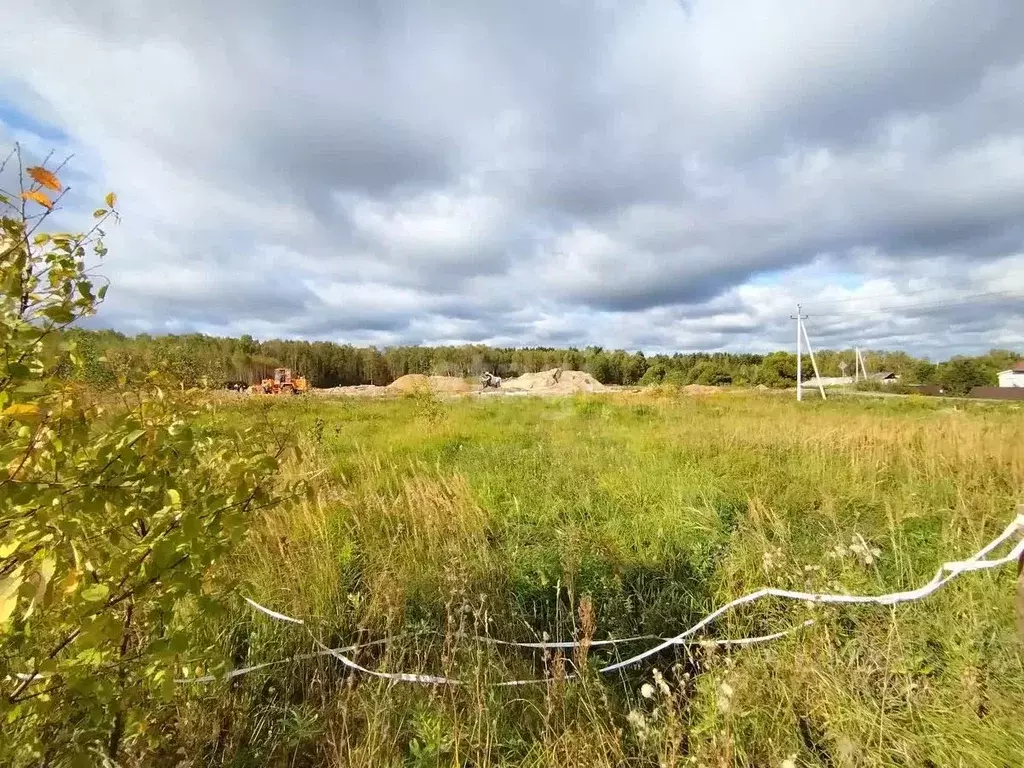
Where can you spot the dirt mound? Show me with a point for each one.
(411, 382)
(554, 382)
(449, 385)
(416, 382)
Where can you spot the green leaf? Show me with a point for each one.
(59, 314)
(41, 238)
(8, 548)
(99, 213)
(102, 292)
(173, 498)
(96, 592)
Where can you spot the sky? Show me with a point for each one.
(664, 175)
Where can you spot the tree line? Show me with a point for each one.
(200, 360)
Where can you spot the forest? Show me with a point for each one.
(197, 360)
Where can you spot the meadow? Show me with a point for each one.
(437, 522)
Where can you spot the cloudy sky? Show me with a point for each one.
(662, 175)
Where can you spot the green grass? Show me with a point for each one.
(606, 517)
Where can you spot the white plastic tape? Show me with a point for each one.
(408, 677)
(273, 614)
(298, 657)
(954, 568)
(945, 573)
(402, 677)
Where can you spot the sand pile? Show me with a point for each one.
(553, 382)
(416, 382)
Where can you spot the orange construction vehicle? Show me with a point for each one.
(283, 383)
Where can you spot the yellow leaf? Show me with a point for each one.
(47, 569)
(21, 412)
(44, 177)
(40, 580)
(71, 582)
(9, 586)
(111, 199)
(39, 197)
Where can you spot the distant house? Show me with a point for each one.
(1013, 377)
(886, 377)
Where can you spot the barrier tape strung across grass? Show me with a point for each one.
(298, 657)
(946, 573)
(954, 569)
(338, 653)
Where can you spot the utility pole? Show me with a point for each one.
(799, 373)
(858, 365)
(802, 338)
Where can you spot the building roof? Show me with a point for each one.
(1019, 367)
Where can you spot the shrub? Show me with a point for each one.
(113, 511)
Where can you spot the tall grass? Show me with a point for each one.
(439, 521)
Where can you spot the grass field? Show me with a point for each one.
(599, 517)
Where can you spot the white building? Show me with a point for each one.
(1013, 377)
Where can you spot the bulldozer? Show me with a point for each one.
(283, 383)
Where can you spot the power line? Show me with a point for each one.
(895, 295)
(951, 302)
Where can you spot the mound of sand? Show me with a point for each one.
(553, 382)
(416, 382)
(411, 382)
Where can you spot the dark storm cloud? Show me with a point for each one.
(627, 174)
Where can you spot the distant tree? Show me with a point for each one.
(1001, 359)
(923, 372)
(602, 368)
(655, 374)
(677, 377)
(777, 370)
(634, 368)
(961, 374)
(710, 373)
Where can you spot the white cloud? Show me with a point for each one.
(638, 175)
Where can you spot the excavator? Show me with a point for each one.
(283, 383)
